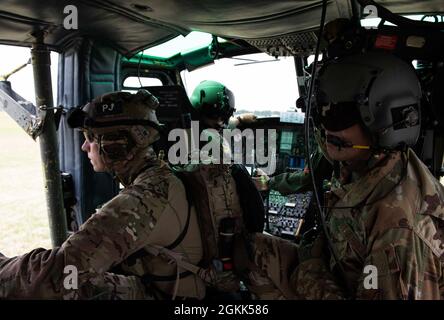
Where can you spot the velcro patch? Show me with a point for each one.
(109, 108)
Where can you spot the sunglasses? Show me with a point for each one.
(338, 117)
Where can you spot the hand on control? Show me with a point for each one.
(261, 179)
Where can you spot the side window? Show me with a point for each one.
(24, 219)
(132, 83)
(261, 84)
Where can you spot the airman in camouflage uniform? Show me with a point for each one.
(148, 235)
(213, 106)
(120, 227)
(388, 219)
(385, 211)
(151, 209)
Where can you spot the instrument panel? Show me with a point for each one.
(286, 214)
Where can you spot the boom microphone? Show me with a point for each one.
(338, 142)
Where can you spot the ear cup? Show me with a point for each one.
(116, 145)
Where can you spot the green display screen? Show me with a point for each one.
(286, 140)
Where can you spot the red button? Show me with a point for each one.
(228, 266)
(386, 42)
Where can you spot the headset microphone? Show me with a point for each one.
(338, 142)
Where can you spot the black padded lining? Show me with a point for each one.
(81, 78)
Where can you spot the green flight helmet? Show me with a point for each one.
(212, 99)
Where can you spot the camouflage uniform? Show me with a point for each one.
(220, 191)
(276, 259)
(218, 103)
(391, 219)
(149, 213)
(152, 209)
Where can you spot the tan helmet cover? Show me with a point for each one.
(113, 120)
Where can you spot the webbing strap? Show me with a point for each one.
(143, 252)
(205, 274)
(147, 277)
(182, 235)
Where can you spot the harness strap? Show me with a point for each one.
(182, 235)
(205, 274)
(143, 253)
(147, 277)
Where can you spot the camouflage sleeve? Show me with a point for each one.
(294, 273)
(401, 265)
(275, 258)
(109, 236)
(294, 182)
(40, 274)
(262, 287)
(312, 279)
(288, 183)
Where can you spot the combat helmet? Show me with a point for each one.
(212, 99)
(375, 89)
(121, 123)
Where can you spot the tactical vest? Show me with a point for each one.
(227, 205)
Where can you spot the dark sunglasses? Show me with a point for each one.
(338, 117)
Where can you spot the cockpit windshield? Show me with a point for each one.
(261, 84)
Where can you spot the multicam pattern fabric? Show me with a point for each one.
(293, 182)
(276, 258)
(149, 232)
(149, 213)
(391, 218)
(151, 210)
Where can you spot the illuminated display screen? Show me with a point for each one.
(286, 140)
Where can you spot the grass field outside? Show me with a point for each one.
(23, 215)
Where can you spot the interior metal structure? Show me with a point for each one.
(91, 60)
(130, 26)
